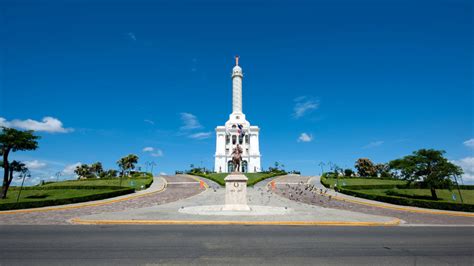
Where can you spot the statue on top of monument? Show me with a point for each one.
(237, 158)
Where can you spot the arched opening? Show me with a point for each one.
(230, 167)
(234, 139)
(244, 167)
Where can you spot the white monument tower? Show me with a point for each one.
(237, 130)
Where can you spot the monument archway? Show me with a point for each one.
(244, 167)
(230, 167)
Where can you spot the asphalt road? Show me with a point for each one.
(268, 245)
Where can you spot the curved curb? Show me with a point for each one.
(394, 222)
(83, 205)
(401, 208)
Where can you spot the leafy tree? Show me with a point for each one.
(382, 170)
(127, 163)
(97, 168)
(84, 171)
(365, 167)
(348, 172)
(12, 140)
(427, 166)
(111, 173)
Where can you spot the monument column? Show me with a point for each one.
(237, 87)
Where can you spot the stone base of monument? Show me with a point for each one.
(236, 193)
(235, 203)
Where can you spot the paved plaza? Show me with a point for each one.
(184, 199)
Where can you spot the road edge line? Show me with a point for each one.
(393, 222)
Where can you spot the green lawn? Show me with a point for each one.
(135, 183)
(72, 191)
(253, 178)
(443, 194)
(50, 194)
(257, 177)
(363, 181)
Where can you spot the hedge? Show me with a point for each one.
(218, 181)
(44, 203)
(325, 182)
(410, 202)
(66, 187)
(270, 175)
(387, 186)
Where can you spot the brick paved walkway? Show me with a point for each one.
(291, 187)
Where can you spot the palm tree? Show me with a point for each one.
(83, 170)
(97, 168)
(126, 164)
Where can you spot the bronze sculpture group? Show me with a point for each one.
(237, 158)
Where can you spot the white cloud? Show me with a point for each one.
(132, 36)
(151, 122)
(47, 124)
(157, 153)
(153, 152)
(35, 164)
(148, 149)
(304, 105)
(374, 144)
(163, 173)
(469, 143)
(190, 121)
(467, 164)
(69, 169)
(304, 137)
(201, 135)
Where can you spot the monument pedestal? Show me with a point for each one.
(236, 193)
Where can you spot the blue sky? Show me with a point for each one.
(324, 80)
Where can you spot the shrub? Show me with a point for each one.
(411, 202)
(43, 203)
(348, 173)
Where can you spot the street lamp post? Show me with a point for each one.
(459, 191)
(152, 164)
(58, 174)
(25, 174)
(322, 169)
